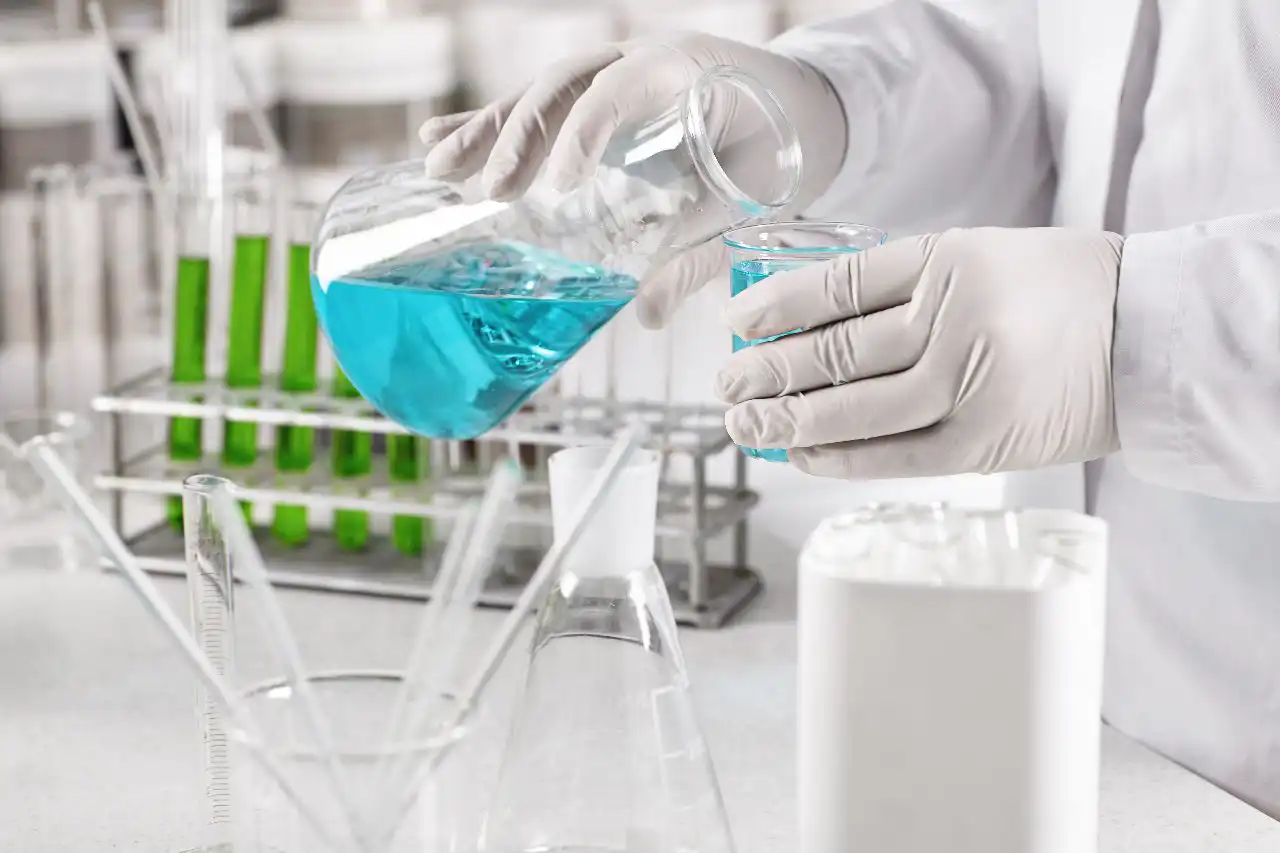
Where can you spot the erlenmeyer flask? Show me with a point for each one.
(606, 755)
(449, 310)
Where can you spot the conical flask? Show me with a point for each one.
(606, 754)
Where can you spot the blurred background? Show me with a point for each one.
(310, 91)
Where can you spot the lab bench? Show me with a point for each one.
(97, 751)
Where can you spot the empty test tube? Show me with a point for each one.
(209, 582)
(352, 458)
(190, 328)
(295, 445)
(244, 344)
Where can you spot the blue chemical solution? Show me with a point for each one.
(741, 276)
(449, 345)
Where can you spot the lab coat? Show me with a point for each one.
(1090, 113)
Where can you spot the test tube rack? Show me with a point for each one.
(690, 515)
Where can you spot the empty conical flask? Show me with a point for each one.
(448, 310)
(606, 755)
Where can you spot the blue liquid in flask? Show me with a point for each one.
(450, 345)
(741, 276)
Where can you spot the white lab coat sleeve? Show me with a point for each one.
(943, 105)
(1196, 364)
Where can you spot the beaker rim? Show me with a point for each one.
(427, 744)
(838, 238)
(68, 427)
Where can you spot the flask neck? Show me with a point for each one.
(620, 536)
(742, 145)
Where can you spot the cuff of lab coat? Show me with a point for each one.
(1145, 356)
(846, 72)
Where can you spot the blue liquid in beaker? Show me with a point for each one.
(450, 345)
(741, 276)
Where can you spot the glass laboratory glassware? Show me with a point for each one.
(295, 445)
(409, 462)
(210, 588)
(250, 257)
(352, 458)
(606, 753)
(36, 533)
(448, 310)
(357, 705)
(194, 238)
(758, 251)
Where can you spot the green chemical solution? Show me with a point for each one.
(295, 445)
(244, 346)
(190, 327)
(352, 457)
(409, 462)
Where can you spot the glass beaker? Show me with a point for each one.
(758, 251)
(357, 704)
(448, 310)
(606, 754)
(35, 531)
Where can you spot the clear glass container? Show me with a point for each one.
(448, 310)
(36, 533)
(606, 754)
(357, 706)
(757, 252)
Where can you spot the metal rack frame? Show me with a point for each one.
(704, 595)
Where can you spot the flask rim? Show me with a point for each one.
(704, 158)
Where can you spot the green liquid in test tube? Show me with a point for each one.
(295, 445)
(190, 327)
(244, 346)
(352, 457)
(409, 462)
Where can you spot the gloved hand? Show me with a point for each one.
(977, 350)
(566, 116)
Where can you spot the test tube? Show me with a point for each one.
(295, 445)
(209, 581)
(352, 458)
(190, 328)
(249, 263)
(409, 461)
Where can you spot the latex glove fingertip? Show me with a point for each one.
(443, 162)
(564, 180)
(652, 310)
(743, 424)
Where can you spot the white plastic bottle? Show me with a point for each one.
(950, 682)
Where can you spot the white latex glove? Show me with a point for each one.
(565, 118)
(977, 350)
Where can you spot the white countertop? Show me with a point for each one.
(97, 749)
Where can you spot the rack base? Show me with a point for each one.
(321, 566)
